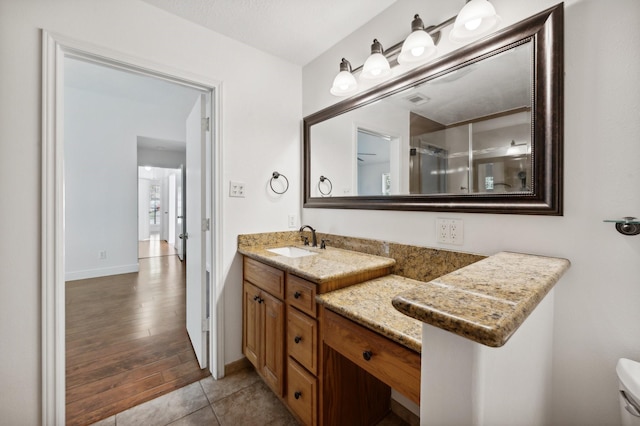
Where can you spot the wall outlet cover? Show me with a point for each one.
(449, 231)
(236, 189)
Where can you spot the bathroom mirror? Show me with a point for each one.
(477, 130)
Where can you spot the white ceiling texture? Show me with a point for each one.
(295, 30)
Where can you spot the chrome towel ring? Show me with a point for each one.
(324, 179)
(276, 175)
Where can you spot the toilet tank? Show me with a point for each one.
(629, 391)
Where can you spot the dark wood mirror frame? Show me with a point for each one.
(546, 31)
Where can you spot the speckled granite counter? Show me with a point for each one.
(369, 304)
(485, 301)
(328, 265)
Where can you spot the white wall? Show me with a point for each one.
(257, 138)
(161, 158)
(101, 178)
(597, 302)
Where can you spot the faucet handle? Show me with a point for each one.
(323, 244)
(305, 240)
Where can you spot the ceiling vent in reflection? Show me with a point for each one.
(418, 99)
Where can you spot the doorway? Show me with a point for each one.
(158, 229)
(55, 183)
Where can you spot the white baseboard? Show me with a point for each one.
(100, 272)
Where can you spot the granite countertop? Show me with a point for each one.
(369, 304)
(327, 265)
(486, 301)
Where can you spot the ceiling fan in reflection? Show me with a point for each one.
(365, 153)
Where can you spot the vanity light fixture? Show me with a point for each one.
(419, 46)
(376, 67)
(345, 83)
(477, 17)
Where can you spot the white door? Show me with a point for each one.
(195, 231)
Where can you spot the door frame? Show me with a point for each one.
(55, 48)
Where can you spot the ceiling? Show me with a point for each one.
(171, 99)
(295, 30)
(119, 83)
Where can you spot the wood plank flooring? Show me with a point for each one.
(126, 340)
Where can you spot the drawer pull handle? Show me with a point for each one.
(367, 355)
(256, 297)
(297, 395)
(297, 339)
(297, 295)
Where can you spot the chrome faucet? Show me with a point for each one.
(314, 240)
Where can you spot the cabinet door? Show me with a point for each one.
(273, 344)
(251, 324)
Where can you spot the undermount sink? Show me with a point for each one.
(291, 252)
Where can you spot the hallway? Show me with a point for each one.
(155, 247)
(126, 339)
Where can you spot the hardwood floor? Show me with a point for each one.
(126, 340)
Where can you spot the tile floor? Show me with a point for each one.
(238, 399)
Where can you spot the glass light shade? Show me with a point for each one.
(344, 84)
(417, 47)
(376, 67)
(477, 17)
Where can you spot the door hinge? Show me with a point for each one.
(205, 324)
(206, 124)
(206, 224)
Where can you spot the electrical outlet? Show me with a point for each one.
(449, 231)
(102, 254)
(443, 231)
(236, 189)
(456, 231)
(291, 220)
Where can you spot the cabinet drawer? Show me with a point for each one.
(301, 392)
(389, 361)
(301, 294)
(264, 276)
(302, 339)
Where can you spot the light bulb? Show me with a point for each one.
(473, 24)
(476, 18)
(419, 46)
(376, 67)
(345, 83)
(417, 51)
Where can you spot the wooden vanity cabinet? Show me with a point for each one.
(280, 335)
(263, 325)
(282, 338)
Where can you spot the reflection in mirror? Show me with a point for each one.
(467, 131)
(470, 130)
(373, 163)
(478, 130)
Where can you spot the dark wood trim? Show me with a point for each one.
(546, 31)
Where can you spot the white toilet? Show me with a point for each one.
(629, 379)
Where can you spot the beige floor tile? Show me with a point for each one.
(109, 421)
(255, 405)
(218, 389)
(202, 417)
(165, 409)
